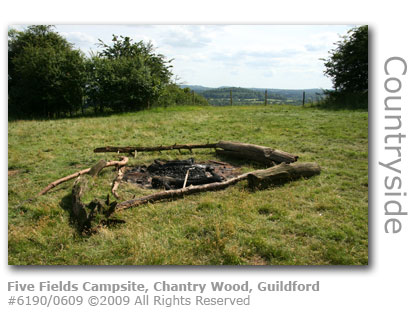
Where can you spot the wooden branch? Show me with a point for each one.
(117, 180)
(254, 152)
(122, 162)
(187, 175)
(159, 148)
(178, 193)
(59, 181)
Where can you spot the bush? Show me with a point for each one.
(46, 75)
(126, 76)
(349, 100)
(174, 95)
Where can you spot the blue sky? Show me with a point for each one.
(267, 56)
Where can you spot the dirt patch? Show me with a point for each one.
(13, 172)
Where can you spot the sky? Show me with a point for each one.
(250, 56)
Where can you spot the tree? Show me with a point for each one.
(127, 75)
(347, 66)
(174, 95)
(45, 73)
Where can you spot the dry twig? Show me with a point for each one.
(123, 161)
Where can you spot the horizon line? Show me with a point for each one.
(199, 85)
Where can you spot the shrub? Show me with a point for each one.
(46, 75)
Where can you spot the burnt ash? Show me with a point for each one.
(171, 174)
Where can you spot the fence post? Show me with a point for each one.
(231, 98)
(193, 93)
(303, 98)
(82, 105)
(265, 98)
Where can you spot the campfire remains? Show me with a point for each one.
(177, 174)
(181, 177)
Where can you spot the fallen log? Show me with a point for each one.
(281, 174)
(131, 150)
(254, 152)
(123, 161)
(79, 209)
(86, 213)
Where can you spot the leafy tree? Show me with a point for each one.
(347, 66)
(45, 73)
(127, 75)
(174, 95)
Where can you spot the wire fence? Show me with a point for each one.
(230, 98)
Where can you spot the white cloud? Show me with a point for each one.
(234, 55)
(186, 37)
(79, 38)
(315, 47)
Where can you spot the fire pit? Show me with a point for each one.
(181, 177)
(175, 174)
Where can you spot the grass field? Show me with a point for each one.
(319, 221)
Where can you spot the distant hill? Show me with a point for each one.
(249, 96)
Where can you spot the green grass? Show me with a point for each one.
(319, 221)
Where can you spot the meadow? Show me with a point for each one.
(318, 221)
